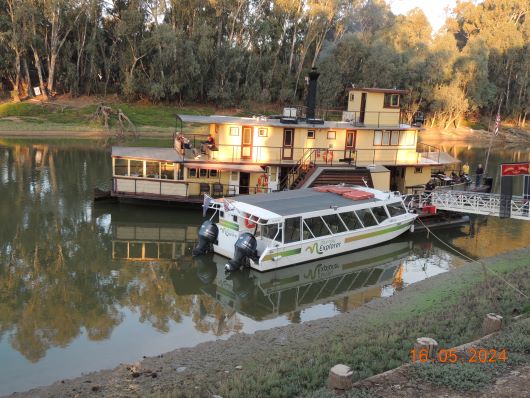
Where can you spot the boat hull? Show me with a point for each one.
(301, 252)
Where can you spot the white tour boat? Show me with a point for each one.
(281, 229)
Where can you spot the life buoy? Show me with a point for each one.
(263, 183)
(328, 156)
(248, 223)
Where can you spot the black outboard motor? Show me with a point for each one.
(244, 249)
(207, 237)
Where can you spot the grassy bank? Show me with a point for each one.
(451, 312)
(148, 118)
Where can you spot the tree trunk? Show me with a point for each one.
(27, 76)
(16, 83)
(38, 65)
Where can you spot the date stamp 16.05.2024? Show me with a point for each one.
(451, 355)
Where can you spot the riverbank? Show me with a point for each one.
(75, 117)
(506, 135)
(294, 360)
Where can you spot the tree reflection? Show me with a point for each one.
(58, 278)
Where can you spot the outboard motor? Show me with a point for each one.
(244, 249)
(207, 236)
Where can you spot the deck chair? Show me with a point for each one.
(217, 189)
(204, 188)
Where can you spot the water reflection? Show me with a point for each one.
(111, 283)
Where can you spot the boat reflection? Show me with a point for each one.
(354, 278)
(151, 235)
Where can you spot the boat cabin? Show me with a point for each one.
(372, 143)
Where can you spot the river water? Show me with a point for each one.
(85, 287)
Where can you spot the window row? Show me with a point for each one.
(262, 131)
(296, 228)
(147, 169)
(203, 173)
(388, 138)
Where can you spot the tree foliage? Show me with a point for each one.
(236, 51)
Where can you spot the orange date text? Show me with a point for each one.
(451, 355)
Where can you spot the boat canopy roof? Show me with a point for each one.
(146, 153)
(298, 201)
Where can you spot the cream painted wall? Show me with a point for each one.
(381, 180)
(376, 113)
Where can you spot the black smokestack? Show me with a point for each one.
(312, 93)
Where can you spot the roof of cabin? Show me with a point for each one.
(379, 90)
(297, 201)
(160, 154)
(257, 121)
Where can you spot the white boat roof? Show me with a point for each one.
(298, 201)
(148, 153)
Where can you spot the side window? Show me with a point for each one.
(366, 217)
(379, 213)
(351, 220)
(292, 229)
(121, 167)
(317, 226)
(334, 223)
(269, 231)
(396, 209)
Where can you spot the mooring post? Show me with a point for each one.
(492, 323)
(340, 377)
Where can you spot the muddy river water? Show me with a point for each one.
(85, 287)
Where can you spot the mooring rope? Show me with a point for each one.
(473, 260)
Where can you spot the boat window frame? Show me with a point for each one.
(340, 220)
(375, 219)
(384, 209)
(299, 229)
(118, 160)
(356, 216)
(311, 231)
(400, 204)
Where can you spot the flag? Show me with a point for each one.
(205, 203)
(497, 123)
(227, 205)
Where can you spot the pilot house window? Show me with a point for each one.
(391, 101)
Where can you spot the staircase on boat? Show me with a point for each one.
(306, 173)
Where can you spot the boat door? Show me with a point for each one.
(244, 182)
(349, 145)
(246, 143)
(233, 183)
(363, 108)
(288, 142)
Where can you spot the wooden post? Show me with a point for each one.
(492, 323)
(426, 343)
(340, 377)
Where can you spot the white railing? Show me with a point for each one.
(478, 203)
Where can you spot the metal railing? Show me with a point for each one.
(155, 188)
(487, 204)
(386, 155)
(377, 119)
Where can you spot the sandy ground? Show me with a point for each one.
(188, 370)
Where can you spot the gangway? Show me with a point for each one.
(487, 204)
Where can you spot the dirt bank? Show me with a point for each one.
(506, 135)
(192, 371)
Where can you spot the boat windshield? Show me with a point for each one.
(396, 209)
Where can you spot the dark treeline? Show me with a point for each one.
(233, 52)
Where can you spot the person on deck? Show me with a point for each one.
(479, 172)
(187, 145)
(465, 169)
(208, 144)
